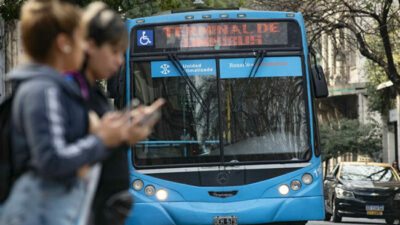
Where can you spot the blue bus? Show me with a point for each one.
(237, 142)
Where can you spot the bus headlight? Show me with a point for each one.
(295, 185)
(283, 189)
(149, 190)
(137, 185)
(340, 193)
(162, 194)
(307, 178)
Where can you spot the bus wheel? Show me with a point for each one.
(389, 220)
(327, 216)
(335, 216)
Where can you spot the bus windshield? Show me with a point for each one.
(257, 121)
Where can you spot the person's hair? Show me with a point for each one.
(104, 25)
(42, 21)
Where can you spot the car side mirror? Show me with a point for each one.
(329, 177)
(320, 87)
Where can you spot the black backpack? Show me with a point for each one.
(7, 173)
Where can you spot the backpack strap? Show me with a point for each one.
(74, 76)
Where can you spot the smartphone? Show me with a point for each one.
(155, 115)
(132, 105)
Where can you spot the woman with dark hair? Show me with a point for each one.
(51, 135)
(107, 41)
(395, 166)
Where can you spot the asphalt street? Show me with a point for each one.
(351, 221)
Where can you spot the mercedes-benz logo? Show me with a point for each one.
(222, 177)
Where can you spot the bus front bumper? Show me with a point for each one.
(265, 210)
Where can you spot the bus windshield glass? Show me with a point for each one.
(255, 119)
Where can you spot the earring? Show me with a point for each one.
(67, 49)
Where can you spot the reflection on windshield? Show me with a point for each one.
(269, 123)
(367, 173)
(186, 131)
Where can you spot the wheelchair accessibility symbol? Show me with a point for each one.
(145, 37)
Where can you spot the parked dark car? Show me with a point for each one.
(360, 189)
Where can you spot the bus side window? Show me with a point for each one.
(317, 146)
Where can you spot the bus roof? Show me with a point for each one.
(215, 15)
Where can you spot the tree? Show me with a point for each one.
(349, 136)
(9, 9)
(372, 27)
(381, 100)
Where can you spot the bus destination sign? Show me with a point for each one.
(221, 34)
(217, 35)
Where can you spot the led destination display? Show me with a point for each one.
(220, 35)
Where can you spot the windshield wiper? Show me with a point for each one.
(250, 78)
(178, 65)
(385, 170)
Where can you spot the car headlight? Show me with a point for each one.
(397, 196)
(340, 193)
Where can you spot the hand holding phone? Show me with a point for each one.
(141, 114)
(151, 114)
(143, 118)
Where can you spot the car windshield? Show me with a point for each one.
(367, 173)
(261, 121)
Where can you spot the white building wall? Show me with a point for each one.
(390, 154)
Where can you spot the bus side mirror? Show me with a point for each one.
(116, 87)
(320, 88)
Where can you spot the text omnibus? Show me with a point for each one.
(237, 142)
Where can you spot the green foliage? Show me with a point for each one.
(224, 3)
(344, 135)
(378, 100)
(9, 9)
(140, 8)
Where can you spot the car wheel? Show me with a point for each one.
(389, 220)
(335, 216)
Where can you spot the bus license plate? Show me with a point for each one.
(375, 210)
(225, 220)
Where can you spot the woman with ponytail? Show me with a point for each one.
(107, 42)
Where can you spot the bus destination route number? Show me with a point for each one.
(225, 220)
